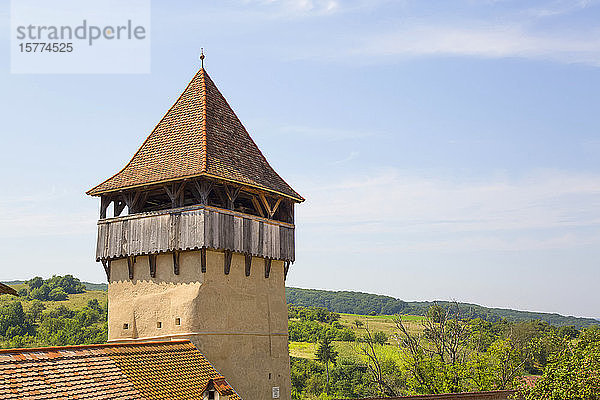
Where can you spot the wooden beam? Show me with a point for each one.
(106, 265)
(104, 203)
(176, 262)
(286, 268)
(152, 263)
(131, 199)
(203, 260)
(248, 260)
(130, 265)
(175, 193)
(227, 263)
(267, 267)
(257, 206)
(119, 206)
(203, 188)
(232, 193)
(270, 210)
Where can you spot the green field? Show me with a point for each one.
(349, 350)
(383, 323)
(74, 302)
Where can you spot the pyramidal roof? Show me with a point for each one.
(200, 135)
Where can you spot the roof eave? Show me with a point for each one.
(99, 192)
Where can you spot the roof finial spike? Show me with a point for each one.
(202, 57)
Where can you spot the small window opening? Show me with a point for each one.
(125, 326)
(177, 321)
(269, 375)
(211, 395)
(159, 325)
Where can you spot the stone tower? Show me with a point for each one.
(199, 242)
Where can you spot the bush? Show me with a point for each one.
(57, 294)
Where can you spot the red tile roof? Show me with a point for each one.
(133, 371)
(200, 135)
(7, 290)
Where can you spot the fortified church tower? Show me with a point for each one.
(200, 241)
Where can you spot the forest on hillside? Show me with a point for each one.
(337, 355)
(374, 304)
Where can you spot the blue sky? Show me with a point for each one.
(447, 150)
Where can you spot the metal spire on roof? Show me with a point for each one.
(202, 57)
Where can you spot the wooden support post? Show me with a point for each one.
(257, 206)
(270, 210)
(203, 188)
(106, 265)
(130, 265)
(232, 193)
(286, 268)
(152, 263)
(267, 267)
(248, 263)
(104, 203)
(119, 206)
(132, 199)
(176, 262)
(227, 263)
(175, 193)
(203, 260)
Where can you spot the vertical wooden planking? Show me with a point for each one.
(246, 235)
(238, 232)
(194, 229)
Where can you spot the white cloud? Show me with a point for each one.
(44, 214)
(544, 210)
(297, 7)
(482, 39)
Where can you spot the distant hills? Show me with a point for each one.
(88, 285)
(374, 304)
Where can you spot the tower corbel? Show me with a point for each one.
(248, 260)
(152, 264)
(203, 260)
(106, 265)
(130, 265)
(176, 262)
(267, 267)
(227, 263)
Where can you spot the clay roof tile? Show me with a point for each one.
(200, 135)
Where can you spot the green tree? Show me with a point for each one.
(41, 292)
(326, 354)
(380, 338)
(35, 282)
(572, 373)
(36, 310)
(13, 321)
(57, 294)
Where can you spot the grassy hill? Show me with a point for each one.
(373, 304)
(346, 302)
(88, 285)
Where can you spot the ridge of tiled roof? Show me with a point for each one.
(200, 135)
(141, 371)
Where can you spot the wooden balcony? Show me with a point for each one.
(193, 228)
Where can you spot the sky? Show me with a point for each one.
(447, 150)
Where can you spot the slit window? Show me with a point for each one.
(177, 321)
(159, 325)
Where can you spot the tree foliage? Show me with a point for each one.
(56, 288)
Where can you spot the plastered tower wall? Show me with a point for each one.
(236, 320)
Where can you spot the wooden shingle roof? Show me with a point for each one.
(200, 135)
(173, 370)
